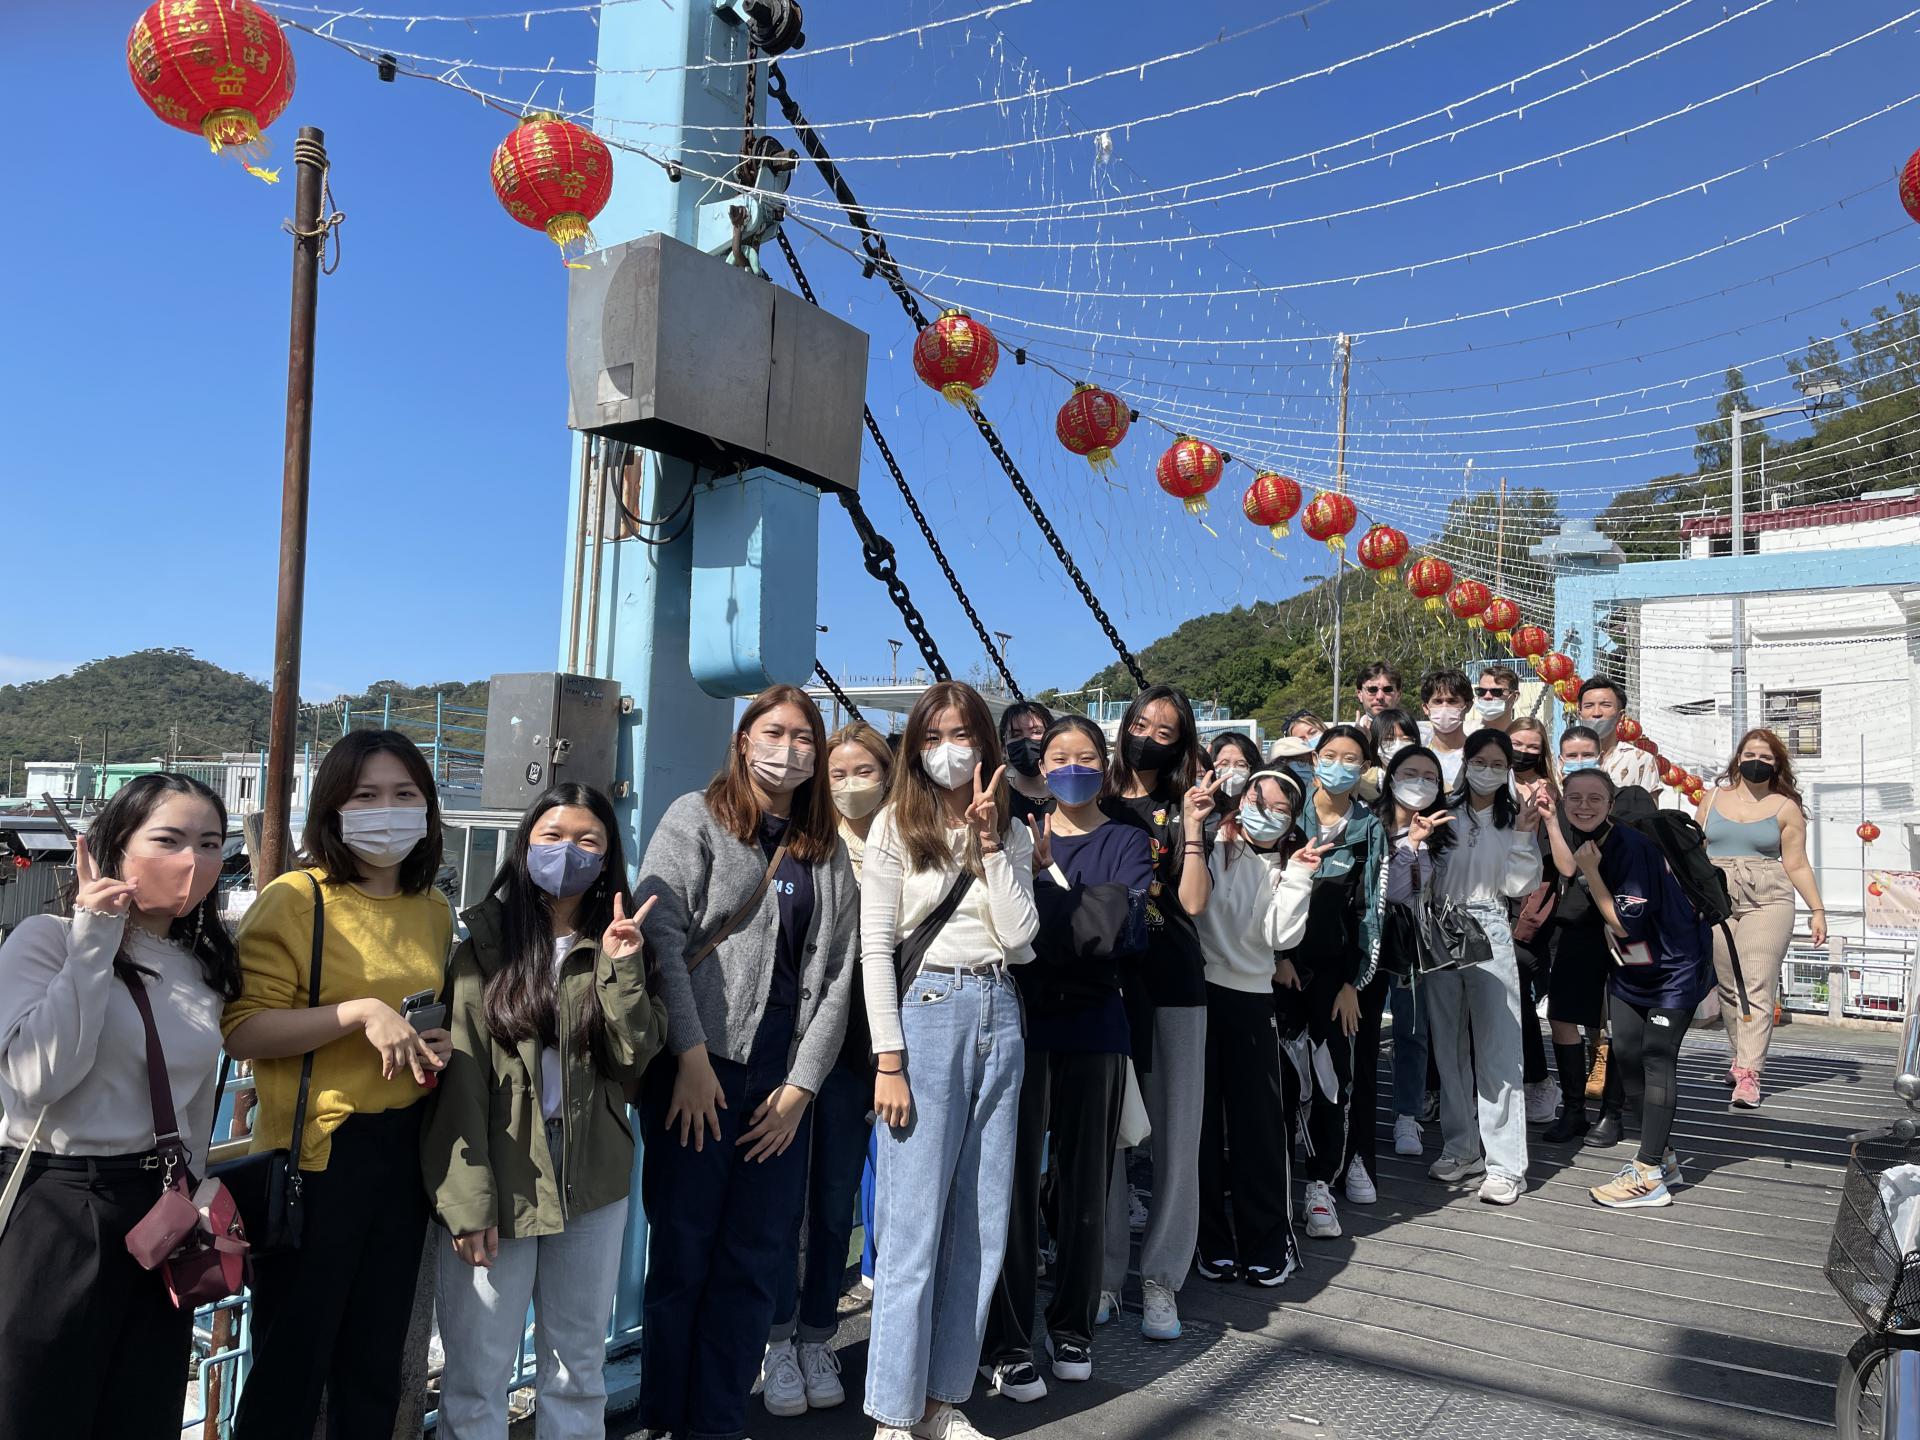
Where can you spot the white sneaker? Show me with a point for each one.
(1360, 1186)
(1323, 1221)
(946, 1423)
(1543, 1102)
(1407, 1135)
(1451, 1168)
(1500, 1189)
(880, 1432)
(1137, 1208)
(1109, 1307)
(820, 1368)
(1159, 1316)
(1016, 1380)
(783, 1390)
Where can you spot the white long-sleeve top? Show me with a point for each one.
(1486, 864)
(1258, 907)
(71, 1040)
(993, 925)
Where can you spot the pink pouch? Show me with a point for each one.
(172, 1219)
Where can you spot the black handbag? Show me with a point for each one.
(912, 951)
(1442, 934)
(266, 1185)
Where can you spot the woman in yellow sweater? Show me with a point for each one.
(332, 1315)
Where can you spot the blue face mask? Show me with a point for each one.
(1574, 767)
(1337, 777)
(1263, 826)
(1074, 784)
(563, 869)
(1302, 771)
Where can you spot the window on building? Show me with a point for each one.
(1722, 545)
(1793, 715)
(246, 787)
(1694, 707)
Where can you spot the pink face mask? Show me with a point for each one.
(172, 884)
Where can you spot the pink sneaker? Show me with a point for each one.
(1746, 1089)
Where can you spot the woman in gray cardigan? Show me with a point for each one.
(755, 928)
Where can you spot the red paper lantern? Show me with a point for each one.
(1501, 616)
(1430, 578)
(219, 68)
(1272, 500)
(1381, 550)
(1910, 187)
(1091, 423)
(553, 175)
(1672, 774)
(1529, 642)
(956, 355)
(1867, 830)
(1646, 745)
(1468, 600)
(1627, 729)
(1557, 667)
(22, 862)
(1188, 470)
(1330, 516)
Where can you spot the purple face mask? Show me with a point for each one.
(563, 869)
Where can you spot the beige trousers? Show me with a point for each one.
(1762, 924)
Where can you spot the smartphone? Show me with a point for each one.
(425, 1011)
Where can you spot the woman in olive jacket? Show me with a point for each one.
(528, 1152)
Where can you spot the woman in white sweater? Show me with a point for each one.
(948, 881)
(1262, 872)
(1493, 858)
(91, 1345)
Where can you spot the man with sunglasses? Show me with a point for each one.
(1495, 689)
(1375, 688)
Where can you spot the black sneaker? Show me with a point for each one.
(1570, 1124)
(1070, 1361)
(1605, 1131)
(1267, 1276)
(1218, 1269)
(1017, 1380)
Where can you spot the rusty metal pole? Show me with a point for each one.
(310, 161)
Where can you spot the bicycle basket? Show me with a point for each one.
(1865, 1264)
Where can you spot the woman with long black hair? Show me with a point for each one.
(338, 1307)
(1155, 784)
(91, 1346)
(528, 1154)
(754, 941)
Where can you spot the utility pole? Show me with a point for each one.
(895, 645)
(309, 236)
(1345, 348)
(1500, 539)
(1003, 637)
(79, 761)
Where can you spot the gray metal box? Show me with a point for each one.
(546, 728)
(678, 351)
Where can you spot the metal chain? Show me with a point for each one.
(880, 260)
(913, 503)
(838, 694)
(878, 555)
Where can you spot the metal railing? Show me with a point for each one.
(1849, 978)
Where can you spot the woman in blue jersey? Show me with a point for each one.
(1663, 969)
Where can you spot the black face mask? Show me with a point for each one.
(1524, 760)
(1145, 753)
(1760, 772)
(1024, 755)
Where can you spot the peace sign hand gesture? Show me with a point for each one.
(1537, 805)
(1042, 841)
(1421, 827)
(1199, 804)
(94, 892)
(622, 937)
(1308, 857)
(984, 813)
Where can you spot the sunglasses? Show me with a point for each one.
(1498, 692)
(1378, 690)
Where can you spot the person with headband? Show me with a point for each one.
(1320, 981)
(1663, 970)
(1262, 871)
(1091, 877)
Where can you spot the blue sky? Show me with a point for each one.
(145, 294)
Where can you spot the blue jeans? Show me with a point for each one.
(840, 1128)
(1483, 1107)
(945, 1183)
(720, 1233)
(1412, 1027)
(869, 1192)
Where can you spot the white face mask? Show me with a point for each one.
(781, 768)
(857, 796)
(1485, 779)
(1416, 792)
(1392, 748)
(1603, 727)
(949, 765)
(1489, 709)
(384, 835)
(1445, 718)
(1233, 779)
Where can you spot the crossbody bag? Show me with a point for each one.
(739, 917)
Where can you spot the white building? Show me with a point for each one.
(1834, 673)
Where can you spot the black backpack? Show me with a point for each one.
(1684, 845)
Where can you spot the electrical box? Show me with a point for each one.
(544, 729)
(677, 351)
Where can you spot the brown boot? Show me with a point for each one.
(1597, 1076)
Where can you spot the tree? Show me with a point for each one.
(1713, 453)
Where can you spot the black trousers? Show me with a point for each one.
(1363, 1127)
(1646, 1055)
(1076, 1096)
(1311, 1009)
(91, 1348)
(1533, 961)
(332, 1316)
(1245, 1150)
